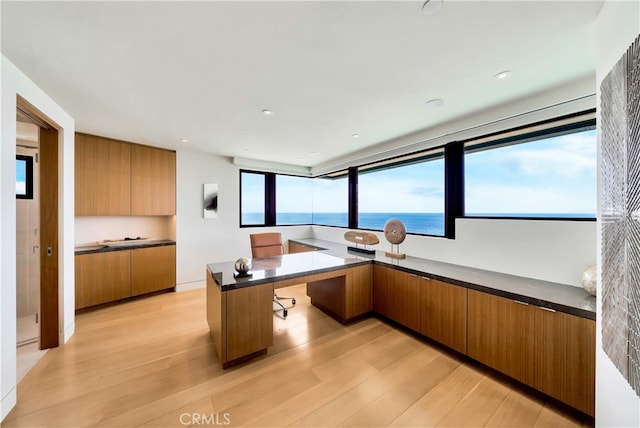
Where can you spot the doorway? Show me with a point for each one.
(38, 236)
(27, 234)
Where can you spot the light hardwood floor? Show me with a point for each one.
(151, 362)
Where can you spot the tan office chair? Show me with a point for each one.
(264, 245)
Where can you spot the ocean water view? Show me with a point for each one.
(419, 223)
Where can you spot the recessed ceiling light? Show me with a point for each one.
(431, 6)
(355, 135)
(502, 75)
(267, 112)
(184, 140)
(434, 103)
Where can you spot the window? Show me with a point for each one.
(252, 200)
(24, 177)
(294, 200)
(411, 190)
(331, 201)
(551, 176)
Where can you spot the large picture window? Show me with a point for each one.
(411, 191)
(252, 199)
(294, 200)
(552, 177)
(331, 201)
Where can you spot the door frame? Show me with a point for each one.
(49, 226)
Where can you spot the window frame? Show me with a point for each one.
(454, 172)
(565, 125)
(28, 160)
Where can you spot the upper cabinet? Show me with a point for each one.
(153, 181)
(115, 178)
(102, 176)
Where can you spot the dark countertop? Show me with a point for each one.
(281, 268)
(130, 245)
(561, 297)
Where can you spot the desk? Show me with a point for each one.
(240, 310)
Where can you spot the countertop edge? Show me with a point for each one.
(106, 249)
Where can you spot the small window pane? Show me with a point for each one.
(413, 193)
(552, 177)
(24, 177)
(294, 200)
(252, 200)
(331, 201)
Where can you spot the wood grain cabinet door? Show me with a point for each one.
(153, 269)
(565, 358)
(501, 334)
(358, 299)
(403, 298)
(443, 315)
(102, 278)
(102, 176)
(153, 181)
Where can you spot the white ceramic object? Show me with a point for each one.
(589, 279)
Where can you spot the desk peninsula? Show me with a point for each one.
(537, 332)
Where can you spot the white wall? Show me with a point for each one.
(617, 405)
(556, 251)
(201, 241)
(14, 83)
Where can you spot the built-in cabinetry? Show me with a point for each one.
(295, 247)
(551, 351)
(114, 178)
(105, 277)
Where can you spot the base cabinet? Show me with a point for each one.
(396, 295)
(551, 351)
(115, 275)
(102, 278)
(345, 297)
(501, 333)
(565, 358)
(240, 321)
(153, 269)
(443, 313)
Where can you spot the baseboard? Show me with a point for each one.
(186, 286)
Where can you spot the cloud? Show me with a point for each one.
(21, 187)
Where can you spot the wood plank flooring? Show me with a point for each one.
(151, 362)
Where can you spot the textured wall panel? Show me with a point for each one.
(620, 214)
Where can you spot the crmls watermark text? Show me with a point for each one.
(205, 419)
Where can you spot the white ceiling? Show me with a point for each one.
(158, 72)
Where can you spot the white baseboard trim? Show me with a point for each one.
(186, 286)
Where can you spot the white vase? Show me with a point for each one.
(589, 279)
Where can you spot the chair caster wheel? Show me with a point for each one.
(293, 301)
(285, 313)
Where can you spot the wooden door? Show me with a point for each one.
(102, 278)
(403, 298)
(102, 176)
(49, 248)
(358, 299)
(153, 181)
(565, 358)
(501, 334)
(153, 269)
(443, 315)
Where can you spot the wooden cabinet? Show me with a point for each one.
(565, 358)
(153, 181)
(114, 275)
(344, 294)
(102, 278)
(102, 176)
(294, 247)
(240, 321)
(396, 295)
(114, 178)
(153, 269)
(501, 334)
(551, 351)
(443, 313)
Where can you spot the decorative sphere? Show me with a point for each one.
(243, 265)
(589, 279)
(394, 231)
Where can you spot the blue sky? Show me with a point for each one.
(556, 175)
(21, 177)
